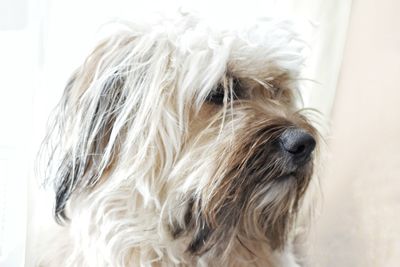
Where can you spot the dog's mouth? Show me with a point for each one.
(298, 174)
(287, 176)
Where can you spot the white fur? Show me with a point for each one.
(169, 69)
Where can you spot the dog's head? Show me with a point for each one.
(200, 126)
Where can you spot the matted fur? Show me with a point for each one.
(164, 148)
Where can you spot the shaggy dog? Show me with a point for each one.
(178, 144)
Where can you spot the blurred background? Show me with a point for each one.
(354, 70)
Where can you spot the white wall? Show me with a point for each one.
(18, 68)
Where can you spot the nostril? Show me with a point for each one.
(297, 142)
(299, 149)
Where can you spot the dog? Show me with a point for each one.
(179, 144)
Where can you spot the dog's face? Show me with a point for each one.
(255, 164)
(200, 128)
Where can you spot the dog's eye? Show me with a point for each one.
(217, 95)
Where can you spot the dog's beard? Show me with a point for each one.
(250, 189)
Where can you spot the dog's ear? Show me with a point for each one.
(84, 123)
(104, 101)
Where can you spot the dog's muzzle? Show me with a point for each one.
(297, 144)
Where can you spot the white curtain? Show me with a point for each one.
(46, 39)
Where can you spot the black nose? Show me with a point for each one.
(298, 143)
